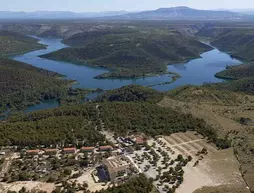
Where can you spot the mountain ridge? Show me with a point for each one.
(171, 13)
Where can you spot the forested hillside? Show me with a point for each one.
(66, 124)
(237, 40)
(129, 52)
(23, 85)
(245, 85)
(237, 72)
(14, 43)
(131, 93)
(53, 126)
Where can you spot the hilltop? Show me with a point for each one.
(129, 52)
(131, 93)
(12, 43)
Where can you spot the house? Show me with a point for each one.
(32, 152)
(87, 149)
(69, 150)
(139, 140)
(50, 151)
(116, 167)
(106, 148)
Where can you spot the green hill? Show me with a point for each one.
(131, 93)
(237, 72)
(23, 85)
(237, 40)
(239, 43)
(245, 85)
(129, 53)
(12, 43)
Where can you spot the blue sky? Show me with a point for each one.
(108, 5)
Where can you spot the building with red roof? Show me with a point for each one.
(106, 148)
(69, 150)
(87, 149)
(33, 152)
(50, 151)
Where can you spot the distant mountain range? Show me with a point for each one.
(173, 13)
(57, 14)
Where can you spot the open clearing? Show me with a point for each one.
(218, 167)
(223, 116)
(29, 185)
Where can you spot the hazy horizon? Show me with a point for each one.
(118, 5)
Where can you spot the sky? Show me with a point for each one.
(116, 5)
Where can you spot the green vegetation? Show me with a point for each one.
(131, 93)
(129, 52)
(23, 85)
(237, 39)
(65, 124)
(245, 85)
(14, 43)
(204, 94)
(237, 72)
(146, 118)
(153, 120)
(238, 42)
(138, 184)
(56, 125)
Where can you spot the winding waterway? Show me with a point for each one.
(194, 72)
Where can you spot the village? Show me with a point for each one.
(94, 168)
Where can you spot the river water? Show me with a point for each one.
(196, 72)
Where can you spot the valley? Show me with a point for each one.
(179, 140)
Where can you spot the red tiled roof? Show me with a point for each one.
(50, 150)
(139, 140)
(106, 147)
(33, 151)
(69, 149)
(87, 148)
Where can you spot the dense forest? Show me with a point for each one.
(139, 184)
(153, 120)
(131, 93)
(67, 124)
(129, 52)
(23, 85)
(14, 43)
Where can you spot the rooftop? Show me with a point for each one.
(33, 151)
(50, 150)
(106, 147)
(117, 163)
(69, 149)
(87, 148)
